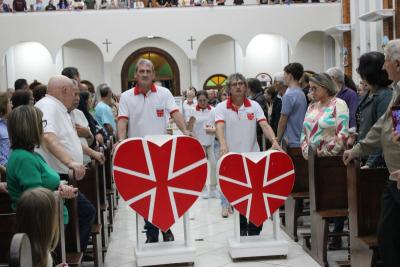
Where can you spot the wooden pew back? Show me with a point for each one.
(328, 182)
(7, 226)
(300, 170)
(365, 188)
(20, 251)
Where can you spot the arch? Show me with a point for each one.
(266, 53)
(29, 60)
(205, 40)
(84, 55)
(86, 41)
(132, 58)
(317, 51)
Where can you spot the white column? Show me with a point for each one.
(194, 75)
(3, 74)
(355, 35)
(107, 73)
(238, 57)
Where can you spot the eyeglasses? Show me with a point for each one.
(202, 100)
(237, 84)
(44, 123)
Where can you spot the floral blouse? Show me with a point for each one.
(326, 128)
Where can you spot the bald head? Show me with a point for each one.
(62, 88)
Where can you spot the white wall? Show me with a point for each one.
(181, 59)
(85, 56)
(215, 55)
(31, 61)
(311, 52)
(265, 53)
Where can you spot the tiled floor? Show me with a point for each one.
(210, 232)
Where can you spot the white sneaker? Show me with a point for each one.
(214, 193)
(204, 193)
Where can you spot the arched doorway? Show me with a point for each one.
(166, 68)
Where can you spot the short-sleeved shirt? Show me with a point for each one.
(240, 124)
(27, 170)
(4, 142)
(78, 117)
(188, 109)
(59, 123)
(147, 114)
(294, 106)
(204, 117)
(105, 115)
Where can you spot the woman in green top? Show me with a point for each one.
(26, 169)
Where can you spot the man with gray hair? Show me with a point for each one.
(345, 93)
(144, 110)
(280, 88)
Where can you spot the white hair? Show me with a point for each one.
(392, 49)
(278, 77)
(336, 73)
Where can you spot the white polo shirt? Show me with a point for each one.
(240, 124)
(78, 117)
(188, 109)
(59, 122)
(203, 117)
(147, 114)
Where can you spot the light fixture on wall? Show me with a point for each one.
(150, 36)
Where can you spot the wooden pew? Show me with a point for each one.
(110, 187)
(299, 193)
(89, 186)
(72, 255)
(20, 251)
(328, 200)
(7, 227)
(365, 188)
(103, 206)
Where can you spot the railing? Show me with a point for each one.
(138, 4)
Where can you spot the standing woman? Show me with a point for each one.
(201, 120)
(326, 126)
(373, 104)
(327, 119)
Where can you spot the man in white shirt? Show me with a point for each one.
(61, 147)
(142, 111)
(236, 122)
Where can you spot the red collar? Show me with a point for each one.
(137, 90)
(198, 108)
(229, 104)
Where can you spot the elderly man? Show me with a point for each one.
(61, 147)
(382, 135)
(235, 121)
(280, 88)
(143, 111)
(189, 104)
(349, 96)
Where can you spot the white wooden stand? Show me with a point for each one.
(258, 246)
(164, 252)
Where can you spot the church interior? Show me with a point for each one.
(201, 46)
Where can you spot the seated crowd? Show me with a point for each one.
(50, 132)
(22, 6)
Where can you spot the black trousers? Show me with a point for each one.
(248, 227)
(389, 226)
(86, 216)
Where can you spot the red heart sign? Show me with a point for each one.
(256, 184)
(160, 177)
